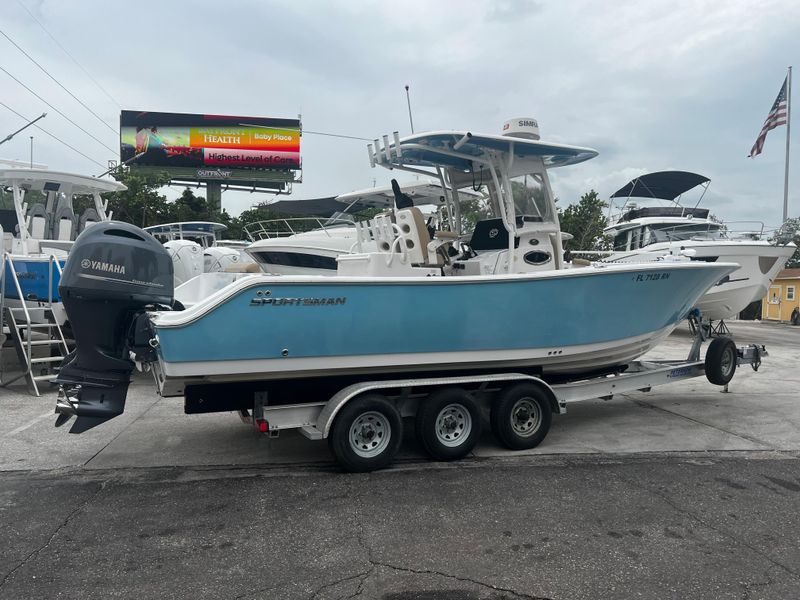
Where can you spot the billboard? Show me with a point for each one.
(209, 142)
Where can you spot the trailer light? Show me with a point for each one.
(262, 425)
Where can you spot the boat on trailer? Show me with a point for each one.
(496, 309)
(195, 248)
(644, 232)
(38, 226)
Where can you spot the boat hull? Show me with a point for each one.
(566, 322)
(33, 274)
(759, 264)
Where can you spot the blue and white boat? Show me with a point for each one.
(38, 226)
(501, 297)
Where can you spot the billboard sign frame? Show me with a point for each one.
(235, 151)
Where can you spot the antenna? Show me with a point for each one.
(408, 100)
(11, 135)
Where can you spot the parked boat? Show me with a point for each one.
(654, 230)
(310, 245)
(506, 300)
(195, 248)
(38, 226)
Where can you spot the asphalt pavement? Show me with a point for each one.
(684, 492)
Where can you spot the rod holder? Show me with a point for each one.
(377, 144)
(462, 141)
(387, 150)
(397, 150)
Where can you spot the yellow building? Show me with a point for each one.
(783, 296)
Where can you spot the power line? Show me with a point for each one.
(349, 137)
(98, 140)
(46, 72)
(52, 37)
(52, 136)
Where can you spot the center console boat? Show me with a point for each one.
(406, 301)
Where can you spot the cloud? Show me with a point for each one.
(684, 83)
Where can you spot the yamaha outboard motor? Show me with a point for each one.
(114, 272)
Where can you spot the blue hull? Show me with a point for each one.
(279, 320)
(33, 276)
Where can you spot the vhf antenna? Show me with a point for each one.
(408, 100)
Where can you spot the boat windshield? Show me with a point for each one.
(530, 198)
(6, 199)
(639, 237)
(339, 219)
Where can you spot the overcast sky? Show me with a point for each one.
(651, 85)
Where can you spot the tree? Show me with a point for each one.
(141, 204)
(189, 207)
(790, 232)
(585, 221)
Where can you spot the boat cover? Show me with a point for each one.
(663, 185)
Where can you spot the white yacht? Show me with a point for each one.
(310, 245)
(642, 232)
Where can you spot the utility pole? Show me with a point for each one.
(31, 152)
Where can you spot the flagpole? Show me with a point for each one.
(788, 124)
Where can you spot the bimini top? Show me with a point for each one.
(44, 180)
(189, 227)
(456, 148)
(421, 192)
(663, 185)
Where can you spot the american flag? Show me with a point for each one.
(776, 117)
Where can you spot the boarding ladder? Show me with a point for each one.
(29, 328)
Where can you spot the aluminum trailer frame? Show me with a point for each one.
(314, 420)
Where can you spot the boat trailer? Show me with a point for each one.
(363, 421)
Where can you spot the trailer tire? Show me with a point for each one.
(720, 360)
(521, 416)
(366, 434)
(448, 424)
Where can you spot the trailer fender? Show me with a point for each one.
(343, 396)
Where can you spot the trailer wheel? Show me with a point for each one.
(521, 416)
(721, 360)
(366, 434)
(448, 424)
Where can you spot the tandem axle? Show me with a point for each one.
(363, 421)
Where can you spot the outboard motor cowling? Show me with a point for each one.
(114, 272)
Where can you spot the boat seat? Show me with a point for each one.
(88, 218)
(416, 236)
(37, 221)
(65, 224)
(242, 268)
